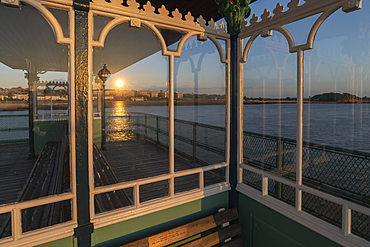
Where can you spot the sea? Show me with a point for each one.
(338, 125)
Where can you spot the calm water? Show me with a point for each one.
(340, 125)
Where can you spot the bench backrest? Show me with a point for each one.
(220, 228)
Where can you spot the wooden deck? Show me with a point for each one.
(140, 158)
(129, 160)
(15, 167)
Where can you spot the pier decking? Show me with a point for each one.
(129, 160)
(14, 170)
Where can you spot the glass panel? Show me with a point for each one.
(270, 106)
(361, 225)
(171, 37)
(336, 112)
(99, 23)
(46, 215)
(5, 225)
(112, 200)
(324, 209)
(130, 107)
(252, 179)
(281, 191)
(199, 106)
(34, 145)
(63, 18)
(214, 176)
(154, 190)
(186, 183)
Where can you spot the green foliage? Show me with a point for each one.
(234, 13)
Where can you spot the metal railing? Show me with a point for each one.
(335, 180)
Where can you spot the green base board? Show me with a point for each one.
(263, 226)
(136, 228)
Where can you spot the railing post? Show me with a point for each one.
(280, 160)
(194, 141)
(346, 220)
(146, 125)
(157, 123)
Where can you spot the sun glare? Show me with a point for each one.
(119, 84)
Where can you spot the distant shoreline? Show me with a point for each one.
(21, 106)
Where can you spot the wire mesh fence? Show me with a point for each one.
(340, 172)
(13, 128)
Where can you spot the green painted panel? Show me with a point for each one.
(46, 131)
(263, 226)
(97, 132)
(65, 242)
(150, 224)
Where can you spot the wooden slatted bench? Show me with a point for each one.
(220, 229)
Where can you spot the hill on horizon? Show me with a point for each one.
(337, 97)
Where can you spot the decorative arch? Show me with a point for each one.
(53, 22)
(315, 28)
(133, 22)
(281, 30)
(165, 52)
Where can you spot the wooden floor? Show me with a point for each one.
(139, 158)
(15, 166)
(129, 160)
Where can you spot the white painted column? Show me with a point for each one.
(299, 142)
(171, 116)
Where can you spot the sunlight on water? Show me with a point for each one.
(119, 123)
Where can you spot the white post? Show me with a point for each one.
(136, 195)
(299, 142)
(265, 186)
(171, 115)
(346, 220)
(16, 223)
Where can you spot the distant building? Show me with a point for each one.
(137, 99)
(149, 94)
(20, 96)
(128, 93)
(179, 95)
(163, 94)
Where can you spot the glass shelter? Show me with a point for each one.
(122, 119)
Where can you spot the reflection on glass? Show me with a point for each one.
(336, 116)
(336, 147)
(270, 106)
(130, 114)
(200, 108)
(34, 145)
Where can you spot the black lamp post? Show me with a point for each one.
(103, 74)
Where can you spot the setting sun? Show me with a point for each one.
(119, 84)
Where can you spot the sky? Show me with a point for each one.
(339, 62)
